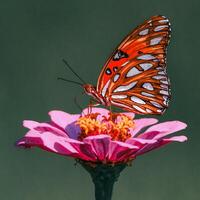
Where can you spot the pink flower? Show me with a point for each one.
(100, 138)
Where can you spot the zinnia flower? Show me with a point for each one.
(95, 137)
(103, 142)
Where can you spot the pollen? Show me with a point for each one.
(117, 126)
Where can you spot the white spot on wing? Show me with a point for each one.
(147, 94)
(161, 73)
(144, 32)
(132, 72)
(119, 96)
(158, 28)
(125, 87)
(105, 88)
(155, 41)
(165, 82)
(147, 86)
(138, 108)
(166, 100)
(163, 20)
(116, 77)
(145, 66)
(164, 86)
(156, 104)
(137, 100)
(158, 77)
(149, 111)
(164, 92)
(125, 63)
(146, 57)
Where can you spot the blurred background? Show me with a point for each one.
(35, 36)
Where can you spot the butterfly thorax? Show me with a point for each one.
(92, 91)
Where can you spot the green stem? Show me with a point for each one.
(103, 176)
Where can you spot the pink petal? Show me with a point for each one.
(47, 141)
(67, 122)
(101, 111)
(100, 145)
(142, 123)
(160, 143)
(120, 151)
(163, 129)
(180, 138)
(30, 124)
(43, 127)
(62, 119)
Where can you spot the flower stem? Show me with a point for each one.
(104, 176)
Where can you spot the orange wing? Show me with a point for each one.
(134, 78)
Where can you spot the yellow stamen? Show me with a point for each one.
(116, 125)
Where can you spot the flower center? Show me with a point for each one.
(115, 125)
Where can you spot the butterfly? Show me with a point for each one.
(134, 78)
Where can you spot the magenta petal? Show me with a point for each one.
(142, 123)
(47, 141)
(160, 143)
(84, 151)
(120, 151)
(139, 142)
(100, 145)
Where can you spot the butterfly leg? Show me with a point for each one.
(92, 104)
(111, 115)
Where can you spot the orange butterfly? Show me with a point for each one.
(134, 77)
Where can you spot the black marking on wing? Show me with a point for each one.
(119, 55)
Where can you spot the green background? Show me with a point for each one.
(35, 36)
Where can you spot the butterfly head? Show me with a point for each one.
(91, 91)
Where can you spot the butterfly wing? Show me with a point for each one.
(134, 78)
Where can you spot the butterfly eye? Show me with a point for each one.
(108, 71)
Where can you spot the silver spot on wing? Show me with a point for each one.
(116, 77)
(132, 72)
(147, 86)
(125, 87)
(158, 28)
(105, 88)
(146, 66)
(138, 109)
(144, 32)
(155, 41)
(137, 100)
(119, 96)
(146, 57)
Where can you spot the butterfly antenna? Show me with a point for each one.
(67, 64)
(63, 79)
